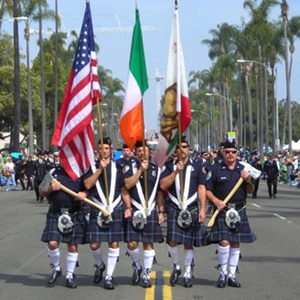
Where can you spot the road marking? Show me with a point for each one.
(256, 205)
(160, 286)
(279, 216)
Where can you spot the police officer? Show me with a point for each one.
(100, 228)
(271, 172)
(65, 224)
(141, 180)
(127, 158)
(186, 209)
(232, 228)
(20, 171)
(41, 167)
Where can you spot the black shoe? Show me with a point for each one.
(187, 282)
(37, 199)
(270, 196)
(70, 283)
(41, 200)
(174, 276)
(222, 281)
(99, 273)
(274, 196)
(136, 276)
(55, 274)
(109, 283)
(233, 282)
(146, 279)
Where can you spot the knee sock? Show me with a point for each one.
(148, 259)
(233, 261)
(174, 252)
(55, 258)
(223, 255)
(72, 259)
(112, 258)
(188, 260)
(97, 254)
(135, 256)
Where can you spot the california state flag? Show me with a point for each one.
(176, 100)
(132, 120)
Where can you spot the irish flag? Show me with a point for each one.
(176, 100)
(132, 120)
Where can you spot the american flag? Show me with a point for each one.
(73, 132)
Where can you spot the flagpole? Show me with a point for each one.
(102, 150)
(178, 96)
(145, 158)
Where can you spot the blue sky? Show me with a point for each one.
(196, 18)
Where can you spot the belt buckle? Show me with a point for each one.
(231, 205)
(64, 210)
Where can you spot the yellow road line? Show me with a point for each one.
(160, 287)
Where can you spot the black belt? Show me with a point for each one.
(237, 205)
(190, 207)
(70, 210)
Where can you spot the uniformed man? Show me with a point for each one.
(102, 229)
(127, 158)
(231, 226)
(65, 224)
(271, 172)
(186, 209)
(141, 180)
(41, 167)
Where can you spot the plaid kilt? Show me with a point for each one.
(220, 231)
(115, 232)
(151, 233)
(51, 232)
(193, 236)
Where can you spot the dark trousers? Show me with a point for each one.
(272, 182)
(256, 185)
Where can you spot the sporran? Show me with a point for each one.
(65, 224)
(184, 219)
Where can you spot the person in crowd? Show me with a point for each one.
(29, 171)
(141, 180)
(232, 228)
(10, 174)
(186, 209)
(105, 184)
(127, 158)
(65, 223)
(289, 169)
(19, 166)
(256, 162)
(271, 172)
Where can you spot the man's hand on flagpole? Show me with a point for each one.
(144, 165)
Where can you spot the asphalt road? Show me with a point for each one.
(269, 268)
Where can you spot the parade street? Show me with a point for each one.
(269, 268)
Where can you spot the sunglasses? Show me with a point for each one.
(184, 147)
(230, 151)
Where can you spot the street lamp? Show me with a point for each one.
(261, 105)
(230, 107)
(207, 142)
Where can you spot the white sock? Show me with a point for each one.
(135, 256)
(72, 259)
(55, 258)
(188, 260)
(223, 254)
(112, 257)
(233, 261)
(174, 252)
(148, 259)
(97, 254)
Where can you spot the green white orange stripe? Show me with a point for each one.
(132, 121)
